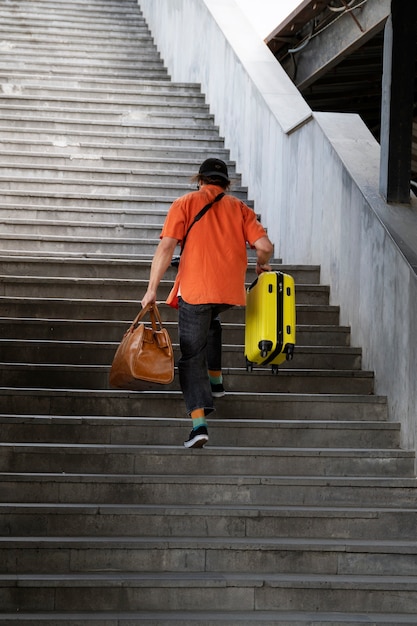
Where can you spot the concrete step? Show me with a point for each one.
(90, 182)
(309, 432)
(91, 310)
(82, 49)
(22, 47)
(30, 162)
(76, 28)
(76, 351)
(50, 244)
(121, 269)
(79, 229)
(121, 40)
(84, 70)
(46, 244)
(83, 185)
(312, 349)
(72, 149)
(44, 92)
(76, 32)
(209, 618)
(47, 368)
(123, 193)
(126, 591)
(133, 27)
(77, 6)
(105, 289)
(136, 138)
(91, 13)
(234, 521)
(162, 432)
(47, 126)
(141, 169)
(79, 488)
(193, 115)
(139, 213)
(131, 205)
(92, 10)
(83, 555)
(22, 44)
(118, 89)
(308, 356)
(52, 20)
(254, 459)
(107, 403)
(107, 202)
(82, 230)
(15, 97)
(74, 50)
(78, 37)
(44, 18)
(10, 81)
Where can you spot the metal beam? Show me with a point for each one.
(346, 33)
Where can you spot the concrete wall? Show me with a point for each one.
(212, 43)
(314, 179)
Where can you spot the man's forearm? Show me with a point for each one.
(161, 262)
(264, 250)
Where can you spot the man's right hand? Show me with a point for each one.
(148, 298)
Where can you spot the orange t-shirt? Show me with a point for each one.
(213, 265)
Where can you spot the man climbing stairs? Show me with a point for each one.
(302, 510)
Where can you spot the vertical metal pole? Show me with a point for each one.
(400, 46)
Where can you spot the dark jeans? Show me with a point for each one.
(200, 336)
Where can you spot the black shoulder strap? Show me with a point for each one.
(200, 215)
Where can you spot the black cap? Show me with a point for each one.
(214, 167)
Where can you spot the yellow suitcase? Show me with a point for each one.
(270, 320)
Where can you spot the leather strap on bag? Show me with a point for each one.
(200, 215)
(154, 315)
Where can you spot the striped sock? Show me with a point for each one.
(199, 418)
(216, 377)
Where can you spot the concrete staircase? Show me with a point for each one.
(303, 508)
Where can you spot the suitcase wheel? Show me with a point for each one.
(265, 347)
(289, 352)
(249, 366)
